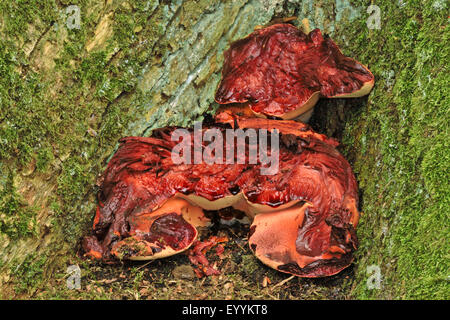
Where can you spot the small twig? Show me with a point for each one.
(231, 230)
(144, 265)
(274, 298)
(283, 282)
(203, 281)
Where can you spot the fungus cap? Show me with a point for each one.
(280, 71)
(149, 206)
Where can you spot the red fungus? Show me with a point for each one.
(281, 71)
(303, 216)
(197, 255)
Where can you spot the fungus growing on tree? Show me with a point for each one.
(280, 71)
(296, 188)
(304, 214)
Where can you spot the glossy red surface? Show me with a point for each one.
(170, 230)
(141, 176)
(277, 69)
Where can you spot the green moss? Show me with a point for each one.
(28, 273)
(17, 218)
(400, 145)
(73, 180)
(20, 14)
(21, 107)
(85, 121)
(44, 158)
(249, 264)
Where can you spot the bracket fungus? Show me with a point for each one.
(304, 215)
(280, 71)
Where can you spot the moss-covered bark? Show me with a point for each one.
(67, 95)
(401, 151)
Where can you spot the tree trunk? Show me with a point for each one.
(76, 77)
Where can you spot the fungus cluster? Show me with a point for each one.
(303, 215)
(281, 72)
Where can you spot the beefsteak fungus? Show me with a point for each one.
(304, 216)
(281, 72)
